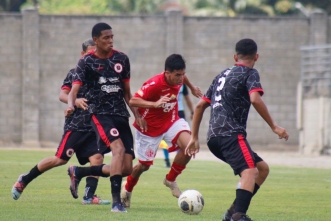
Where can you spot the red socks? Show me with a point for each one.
(175, 170)
(131, 182)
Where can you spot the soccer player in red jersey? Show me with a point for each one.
(230, 96)
(158, 105)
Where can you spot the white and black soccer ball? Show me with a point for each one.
(191, 202)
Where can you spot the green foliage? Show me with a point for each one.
(189, 7)
(288, 194)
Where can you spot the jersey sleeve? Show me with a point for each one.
(185, 91)
(147, 91)
(253, 82)
(126, 72)
(78, 76)
(66, 85)
(208, 95)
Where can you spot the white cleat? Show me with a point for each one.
(173, 187)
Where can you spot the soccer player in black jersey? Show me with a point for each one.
(106, 73)
(230, 96)
(78, 138)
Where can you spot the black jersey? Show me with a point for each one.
(104, 80)
(80, 120)
(228, 96)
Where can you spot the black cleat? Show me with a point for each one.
(242, 217)
(227, 216)
(74, 181)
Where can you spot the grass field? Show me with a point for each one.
(289, 194)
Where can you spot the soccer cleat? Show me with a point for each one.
(118, 208)
(173, 187)
(243, 217)
(227, 216)
(74, 181)
(95, 200)
(125, 196)
(18, 188)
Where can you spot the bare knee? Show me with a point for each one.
(96, 159)
(59, 162)
(263, 169)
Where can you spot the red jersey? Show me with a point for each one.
(158, 120)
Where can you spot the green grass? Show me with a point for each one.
(289, 194)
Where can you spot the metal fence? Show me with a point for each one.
(316, 71)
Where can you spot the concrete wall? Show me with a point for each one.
(41, 49)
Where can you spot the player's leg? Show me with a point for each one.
(89, 152)
(241, 159)
(263, 169)
(146, 150)
(177, 138)
(166, 157)
(62, 156)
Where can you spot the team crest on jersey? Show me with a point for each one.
(149, 153)
(173, 97)
(118, 68)
(70, 152)
(114, 132)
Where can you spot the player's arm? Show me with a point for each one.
(262, 109)
(140, 102)
(63, 96)
(194, 89)
(193, 146)
(127, 97)
(79, 102)
(71, 99)
(189, 104)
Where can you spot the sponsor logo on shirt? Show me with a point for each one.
(110, 88)
(113, 80)
(102, 80)
(140, 92)
(167, 107)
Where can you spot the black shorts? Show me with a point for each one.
(109, 128)
(235, 151)
(84, 144)
(181, 114)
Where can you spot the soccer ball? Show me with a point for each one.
(191, 202)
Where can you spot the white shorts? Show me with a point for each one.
(146, 146)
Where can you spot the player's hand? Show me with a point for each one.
(68, 111)
(142, 124)
(81, 103)
(197, 92)
(162, 100)
(192, 147)
(281, 132)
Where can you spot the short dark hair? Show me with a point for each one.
(98, 28)
(246, 47)
(86, 43)
(174, 62)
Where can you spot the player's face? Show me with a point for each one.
(175, 77)
(104, 43)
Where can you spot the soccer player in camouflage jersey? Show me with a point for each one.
(106, 73)
(78, 138)
(230, 96)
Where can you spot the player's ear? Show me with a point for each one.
(235, 57)
(82, 53)
(256, 57)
